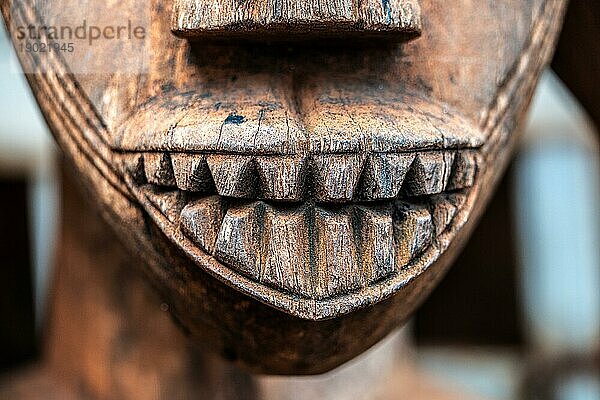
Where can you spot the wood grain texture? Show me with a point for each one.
(366, 166)
(288, 19)
(287, 251)
(201, 221)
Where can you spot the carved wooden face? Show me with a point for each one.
(295, 201)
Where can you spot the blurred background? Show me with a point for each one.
(517, 317)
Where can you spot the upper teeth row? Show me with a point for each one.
(333, 177)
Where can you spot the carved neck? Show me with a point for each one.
(110, 337)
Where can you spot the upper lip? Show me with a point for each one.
(266, 121)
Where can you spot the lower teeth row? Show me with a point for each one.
(309, 251)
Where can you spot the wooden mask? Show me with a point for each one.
(294, 176)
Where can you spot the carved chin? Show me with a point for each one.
(316, 229)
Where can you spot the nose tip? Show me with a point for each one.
(296, 19)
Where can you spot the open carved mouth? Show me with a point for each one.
(300, 216)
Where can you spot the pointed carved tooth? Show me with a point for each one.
(169, 202)
(429, 173)
(444, 211)
(158, 168)
(286, 244)
(238, 241)
(413, 230)
(337, 267)
(133, 164)
(376, 231)
(201, 220)
(234, 175)
(192, 172)
(281, 178)
(383, 175)
(463, 170)
(336, 176)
